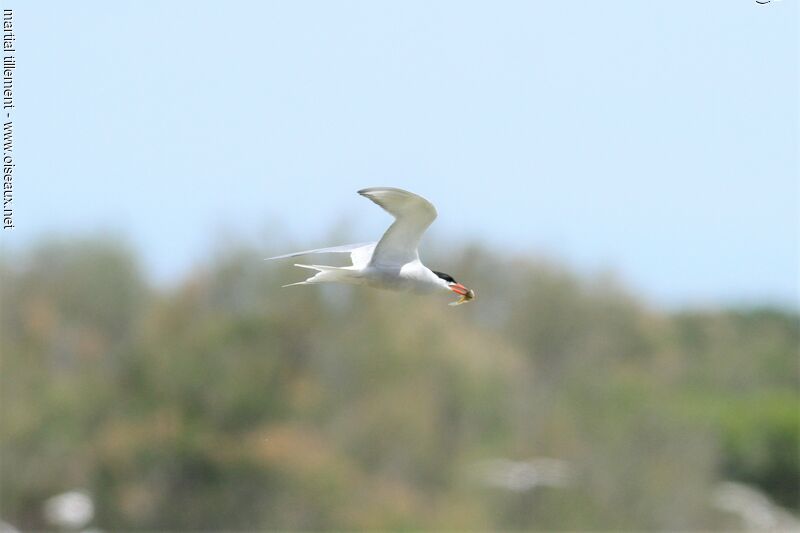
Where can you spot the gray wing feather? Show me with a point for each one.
(413, 214)
(359, 253)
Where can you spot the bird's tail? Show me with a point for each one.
(324, 274)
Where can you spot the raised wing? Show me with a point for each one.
(360, 254)
(413, 214)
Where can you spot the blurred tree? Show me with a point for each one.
(228, 403)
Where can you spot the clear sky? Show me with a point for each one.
(656, 139)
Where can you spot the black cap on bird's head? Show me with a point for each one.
(447, 277)
(465, 293)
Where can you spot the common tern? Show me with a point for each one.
(392, 262)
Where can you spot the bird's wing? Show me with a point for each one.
(360, 257)
(360, 253)
(413, 214)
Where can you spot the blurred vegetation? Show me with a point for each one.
(229, 403)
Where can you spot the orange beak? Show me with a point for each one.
(459, 289)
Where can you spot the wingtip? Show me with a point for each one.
(367, 190)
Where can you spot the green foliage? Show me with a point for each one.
(229, 403)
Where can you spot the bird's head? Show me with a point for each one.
(451, 284)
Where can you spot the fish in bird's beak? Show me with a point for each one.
(465, 293)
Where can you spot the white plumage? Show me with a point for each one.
(393, 262)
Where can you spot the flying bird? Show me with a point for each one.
(392, 262)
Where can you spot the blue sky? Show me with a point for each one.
(655, 139)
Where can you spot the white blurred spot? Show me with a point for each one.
(5, 527)
(521, 476)
(756, 510)
(73, 509)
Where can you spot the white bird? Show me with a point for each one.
(393, 262)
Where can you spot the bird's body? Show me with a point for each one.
(393, 262)
(411, 277)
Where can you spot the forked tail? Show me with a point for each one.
(325, 274)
